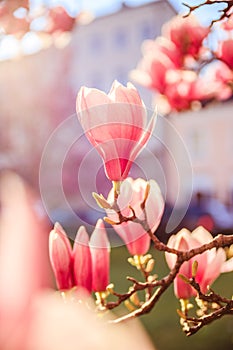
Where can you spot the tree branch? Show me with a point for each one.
(225, 11)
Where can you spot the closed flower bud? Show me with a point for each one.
(82, 260)
(115, 124)
(100, 254)
(60, 254)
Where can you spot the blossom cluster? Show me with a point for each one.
(183, 71)
(114, 124)
(186, 75)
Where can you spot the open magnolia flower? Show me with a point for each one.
(132, 195)
(210, 263)
(115, 124)
(186, 33)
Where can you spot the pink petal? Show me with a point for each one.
(139, 246)
(183, 290)
(213, 270)
(88, 98)
(154, 205)
(134, 236)
(202, 235)
(100, 253)
(144, 139)
(61, 257)
(171, 258)
(82, 260)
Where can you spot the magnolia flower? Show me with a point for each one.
(100, 253)
(186, 33)
(220, 80)
(159, 56)
(132, 195)
(164, 58)
(116, 125)
(210, 263)
(183, 88)
(225, 52)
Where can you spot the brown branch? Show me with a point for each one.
(148, 305)
(225, 11)
(211, 308)
(163, 284)
(207, 319)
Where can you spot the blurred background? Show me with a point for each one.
(48, 50)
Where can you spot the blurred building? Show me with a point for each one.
(206, 137)
(109, 47)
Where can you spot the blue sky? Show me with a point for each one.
(101, 7)
(104, 6)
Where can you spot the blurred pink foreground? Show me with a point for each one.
(31, 315)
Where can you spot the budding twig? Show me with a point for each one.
(156, 288)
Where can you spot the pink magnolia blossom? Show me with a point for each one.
(100, 254)
(71, 267)
(59, 20)
(132, 193)
(186, 33)
(221, 79)
(159, 56)
(183, 88)
(161, 68)
(210, 263)
(116, 125)
(228, 24)
(225, 52)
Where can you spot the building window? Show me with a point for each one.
(146, 31)
(96, 44)
(198, 144)
(120, 39)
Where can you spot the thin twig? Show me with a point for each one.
(225, 11)
(163, 284)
